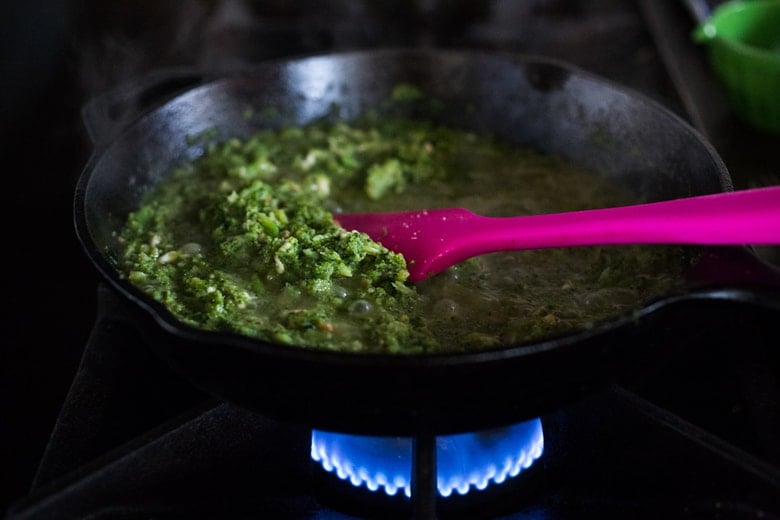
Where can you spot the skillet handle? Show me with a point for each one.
(106, 115)
(735, 273)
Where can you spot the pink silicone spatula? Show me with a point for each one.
(435, 239)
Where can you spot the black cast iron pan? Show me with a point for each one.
(530, 100)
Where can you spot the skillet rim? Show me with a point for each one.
(172, 325)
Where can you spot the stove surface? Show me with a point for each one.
(134, 440)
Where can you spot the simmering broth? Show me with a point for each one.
(243, 240)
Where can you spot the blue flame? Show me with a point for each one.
(463, 461)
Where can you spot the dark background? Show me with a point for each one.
(55, 55)
(49, 290)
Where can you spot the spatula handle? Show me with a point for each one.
(740, 217)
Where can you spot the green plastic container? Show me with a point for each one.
(743, 42)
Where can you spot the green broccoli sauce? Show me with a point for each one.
(243, 240)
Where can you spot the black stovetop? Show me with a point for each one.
(97, 426)
(694, 439)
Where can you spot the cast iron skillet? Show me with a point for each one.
(530, 100)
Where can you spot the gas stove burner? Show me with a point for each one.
(465, 461)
